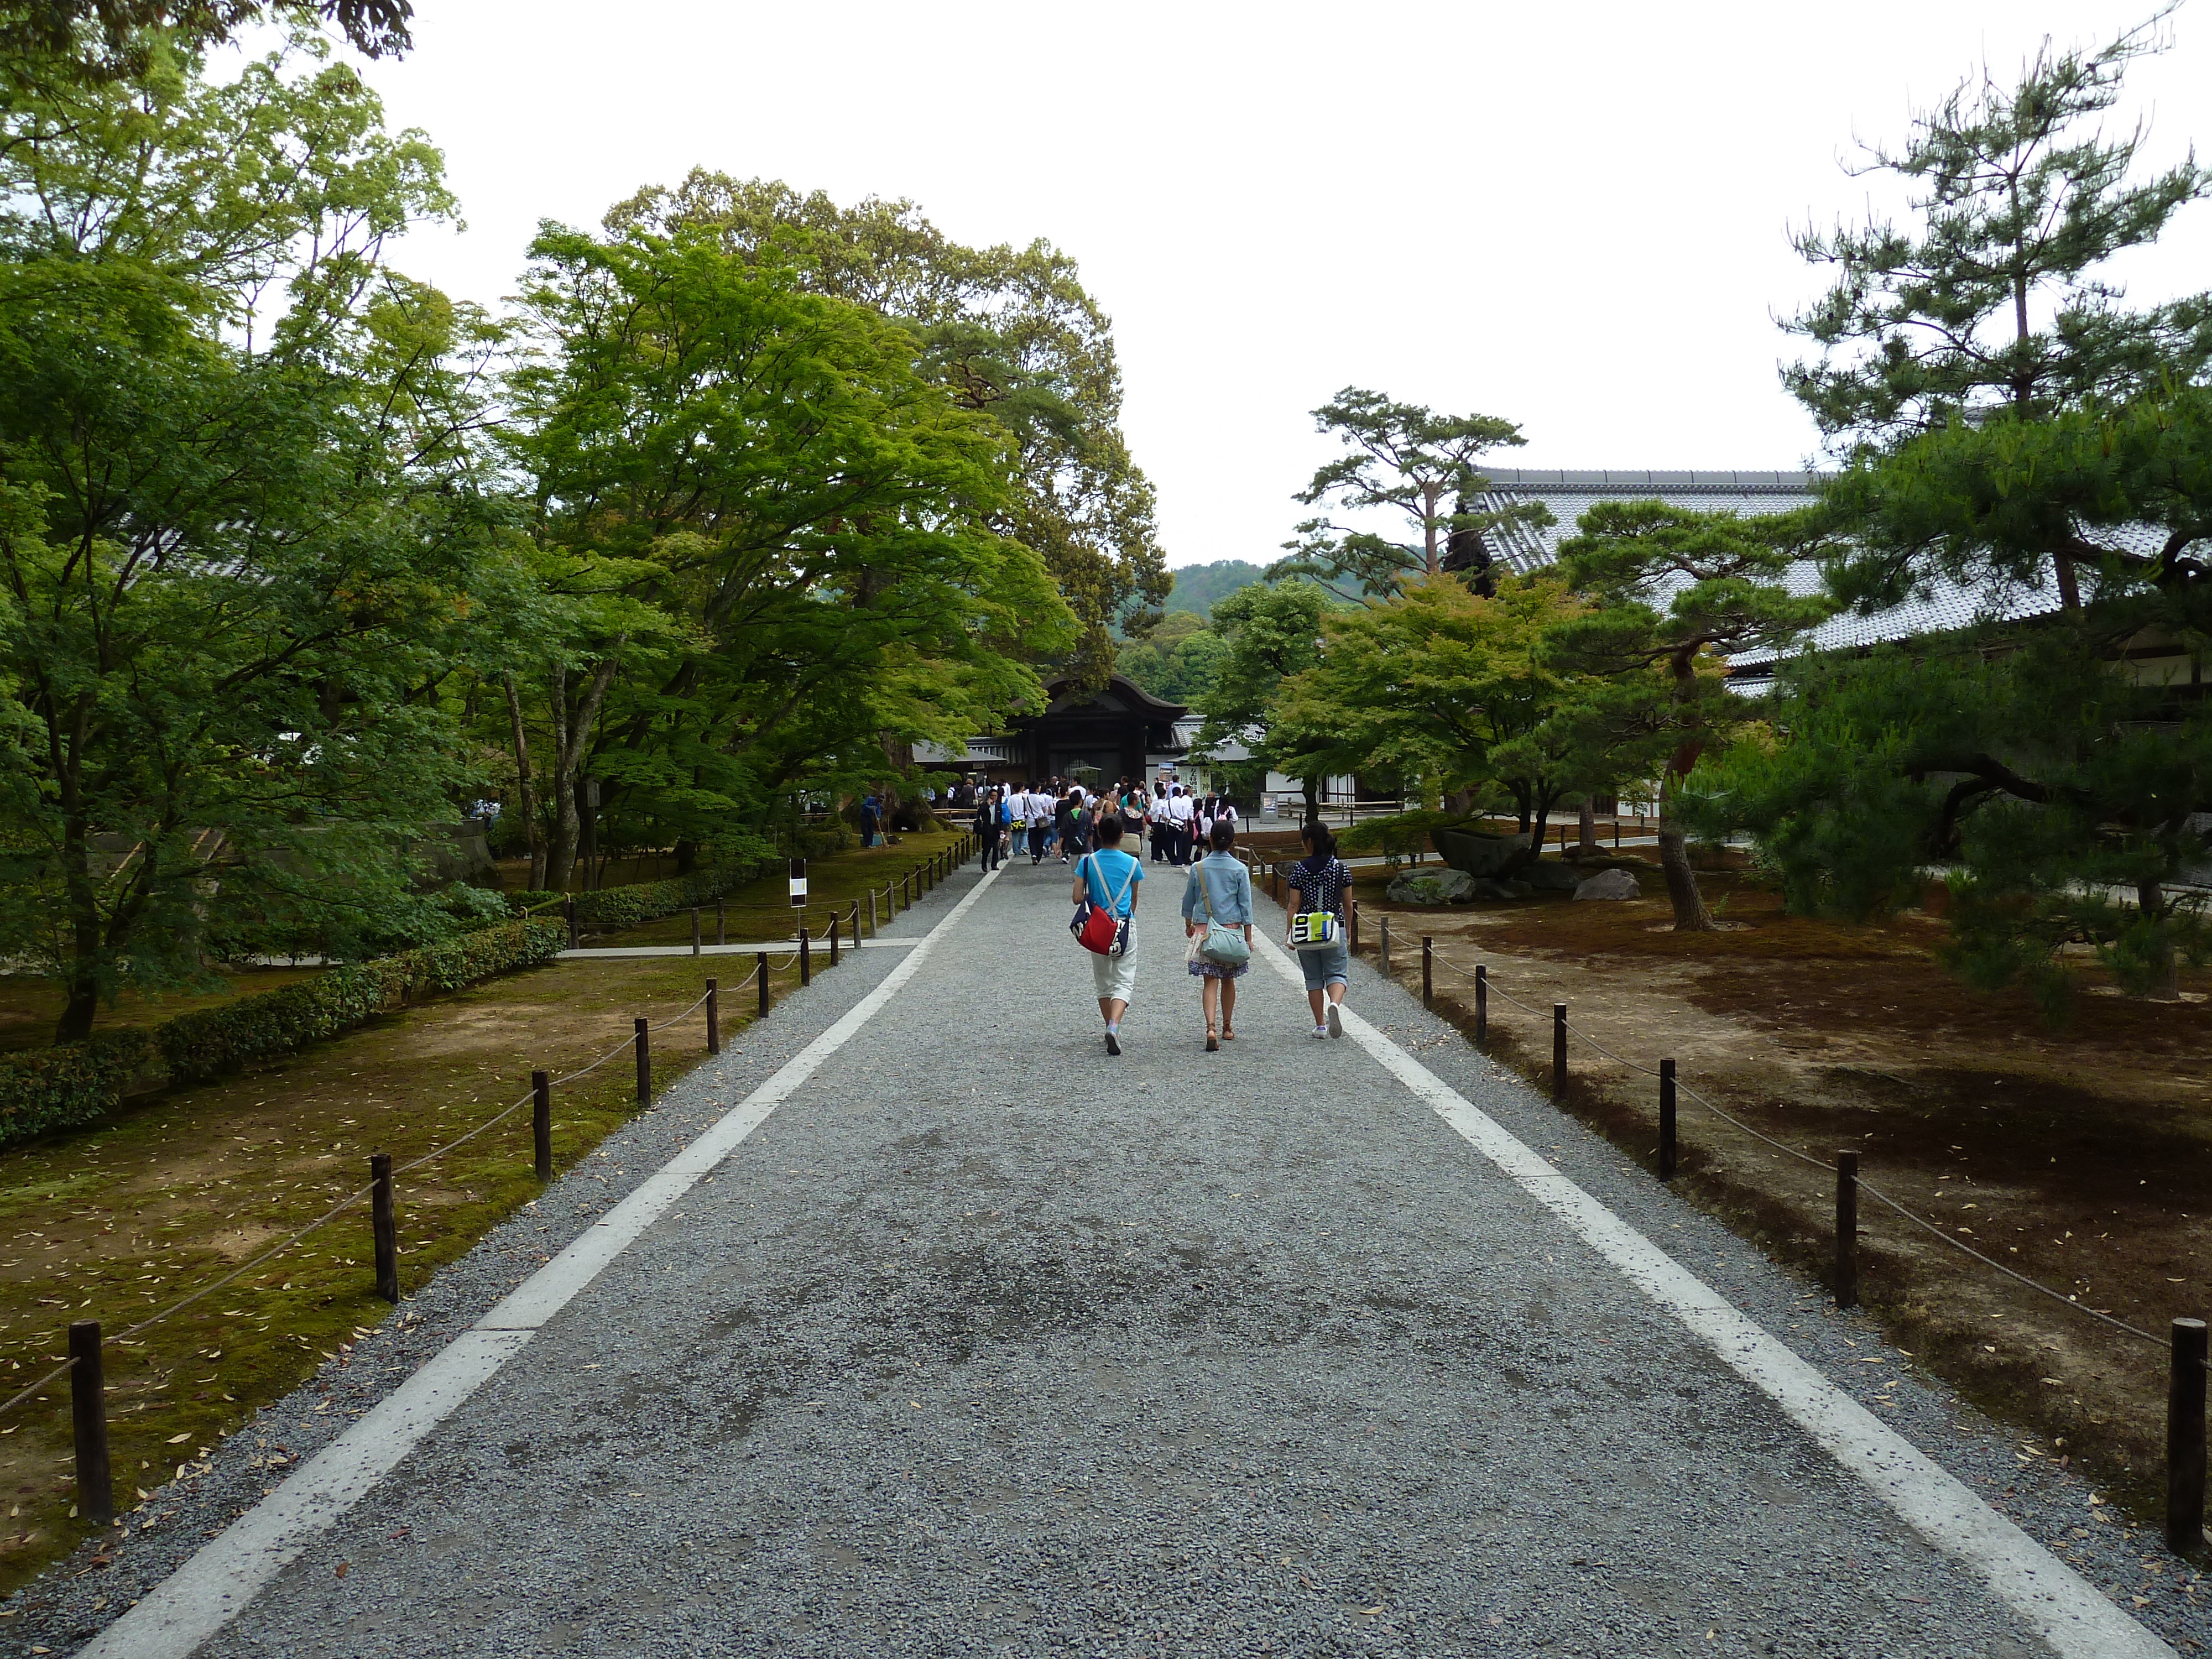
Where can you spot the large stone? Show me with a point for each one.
(1549, 876)
(1610, 884)
(1491, 888)
(1477, 853)
(1433, 887)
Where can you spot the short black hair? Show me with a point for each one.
(1108, 831)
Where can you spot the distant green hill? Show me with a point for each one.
(1199, 586)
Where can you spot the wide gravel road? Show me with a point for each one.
(984, 1342)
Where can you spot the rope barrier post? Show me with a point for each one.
(1558, 1051)
(383, 1227)
(541, 1122)
(1482, 1004)
(1352, 922)
(1847, 1230)
(872, 912)
(2184, 1439)
(722, 936)
(713, 1017)
(695, 930)
(806, 961)
(1382, 951)
(763, 985)
(1666, 1119)
(856, 924)
(643, 1041)
(1616, 832)
(95, 1486)
(1428, 975)
(833, 939)
(568, 911)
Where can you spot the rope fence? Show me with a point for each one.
(2186, 1343)
(95, 1491)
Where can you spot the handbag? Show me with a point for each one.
(1097, 927)
(1221, 944)
(1315, 930)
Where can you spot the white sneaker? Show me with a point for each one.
(1321, 1030)
(1336, 1019)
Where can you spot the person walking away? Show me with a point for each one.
(1320, 880)
(1038, 808)
(1063, 823)
(871, 818)
(1181, 812)
(986, 830)
(1225, 810)
(1083, 821)
(1156, 817)
(1218, 894)
(1109, 878)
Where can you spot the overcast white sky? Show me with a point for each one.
(1573, 218)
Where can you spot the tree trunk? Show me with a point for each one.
(2069, 584)
(1586, 827)
(1691, 915)
(80, 1005)
(1312, 788)
(570, 737)
(523, 804)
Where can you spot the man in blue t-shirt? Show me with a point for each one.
(1109, 878)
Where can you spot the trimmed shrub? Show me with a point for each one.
(78, 1082)
(648, 901)
(210, 1044)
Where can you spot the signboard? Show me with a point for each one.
(799, 882)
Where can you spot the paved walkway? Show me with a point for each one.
(982, 1342)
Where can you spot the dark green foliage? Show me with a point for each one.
(1399, 834)
(1199, 587)
(219, 1041)
(73, 1084)
(1179, 660)
(648, 901)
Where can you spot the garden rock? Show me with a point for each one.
(1478, 854)
(1549, 877)
(1433, 887)
(1610, 884)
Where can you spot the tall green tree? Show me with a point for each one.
(1273, 633)
(1673, 593)
(243, 521)
(1007, 332)
(1449, 687)
(1403, 459)
(767, 470)
(2001, 296)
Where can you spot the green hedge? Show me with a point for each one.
(648, 901)
(60, 1088)
(197, 1047)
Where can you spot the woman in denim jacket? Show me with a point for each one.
(1218, 883)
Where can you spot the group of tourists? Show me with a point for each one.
(1217, 925)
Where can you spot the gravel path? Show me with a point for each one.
(986, 1343)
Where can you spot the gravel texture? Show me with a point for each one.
(987, 1343)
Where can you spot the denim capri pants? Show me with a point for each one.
(1326, 967)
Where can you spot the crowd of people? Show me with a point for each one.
(1097, 830)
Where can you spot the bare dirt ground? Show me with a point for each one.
(2081, 1156)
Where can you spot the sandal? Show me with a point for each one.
(1212, 1039)
(1228, 1036)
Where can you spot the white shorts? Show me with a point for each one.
(1115, 975)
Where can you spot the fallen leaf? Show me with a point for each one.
(179, 1439)
(341, 1568)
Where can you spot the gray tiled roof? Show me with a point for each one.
(1948, 606)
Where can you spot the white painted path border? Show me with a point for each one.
(2054, 1601)
(212, 1587)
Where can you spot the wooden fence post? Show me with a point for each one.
(1558, 1051)
(1482, 1004)
(1428, 980)
(384, 1226)
(713, 1017)
(541, 1123)
(763, 985)
(1847, 1230)
(95, 1486)
(2184, 1439)
(643, 1039)
(1666, 1119)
